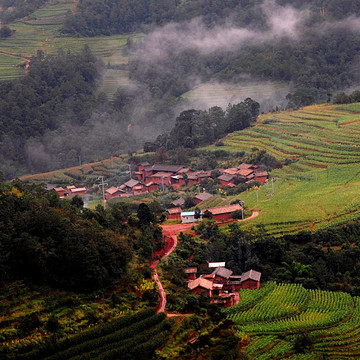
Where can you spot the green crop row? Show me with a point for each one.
(114, 337)
(88, 335)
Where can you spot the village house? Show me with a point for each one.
(61, 192)
(174, 213)
(201, 284)
(113, 192)
(250, 279)
(190, 273)
(261, 175)
(224, 213)
(222, 283)
(202, 197)
(178, 203)
(134, 187)
(151, 187)
(226, 179)
(73, 190)
(161, 178)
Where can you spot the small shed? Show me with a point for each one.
(189, 217)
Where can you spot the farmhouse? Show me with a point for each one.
(174, 213)
(261, 175)
(133, 186)
(224, 213)
(179, 202)
(226, 179)
(113, 192)
(61, 191)
(250, 280)
(202, 197)
(201, 284)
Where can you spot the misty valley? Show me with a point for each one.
(179, 179)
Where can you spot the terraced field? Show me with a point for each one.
(273, 318)
(320, 185)
(40, 31)
(84, 174)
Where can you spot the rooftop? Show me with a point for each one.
(224, 209)
(132, 182)
(251, 274)
(203, 196)
(206, 284)
(222, 272)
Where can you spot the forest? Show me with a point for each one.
(48, 241)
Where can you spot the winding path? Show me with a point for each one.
(170, 232)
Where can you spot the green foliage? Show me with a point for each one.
(48, 241)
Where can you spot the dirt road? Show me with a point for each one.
(170, 232)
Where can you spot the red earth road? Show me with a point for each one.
(170, 232)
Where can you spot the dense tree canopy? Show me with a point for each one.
(195, 128)
(50, 241)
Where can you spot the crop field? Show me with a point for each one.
(10, 66)
(40, 31)
(320, 185)
(84, 173)
(221, 94)
(273, 317)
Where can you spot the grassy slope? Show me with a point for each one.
(320, 188)
(40, 31)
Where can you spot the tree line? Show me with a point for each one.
(17, 9)
(194, 128)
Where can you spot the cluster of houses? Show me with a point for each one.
(151, 178)
(222, 283)
(68, 191)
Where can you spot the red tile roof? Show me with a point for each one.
(176, 210)
(206, 284)
(224, 209)
(251, 274)
(203, 196)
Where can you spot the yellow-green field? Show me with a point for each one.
(321, 187)
(212, 93)
(88, 172)
(270, 319)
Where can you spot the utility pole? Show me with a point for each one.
(130, 171)
(242, 209)
(103, 190)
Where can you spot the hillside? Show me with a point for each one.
(286, 321)
(318, 185)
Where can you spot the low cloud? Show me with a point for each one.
(174, 38)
